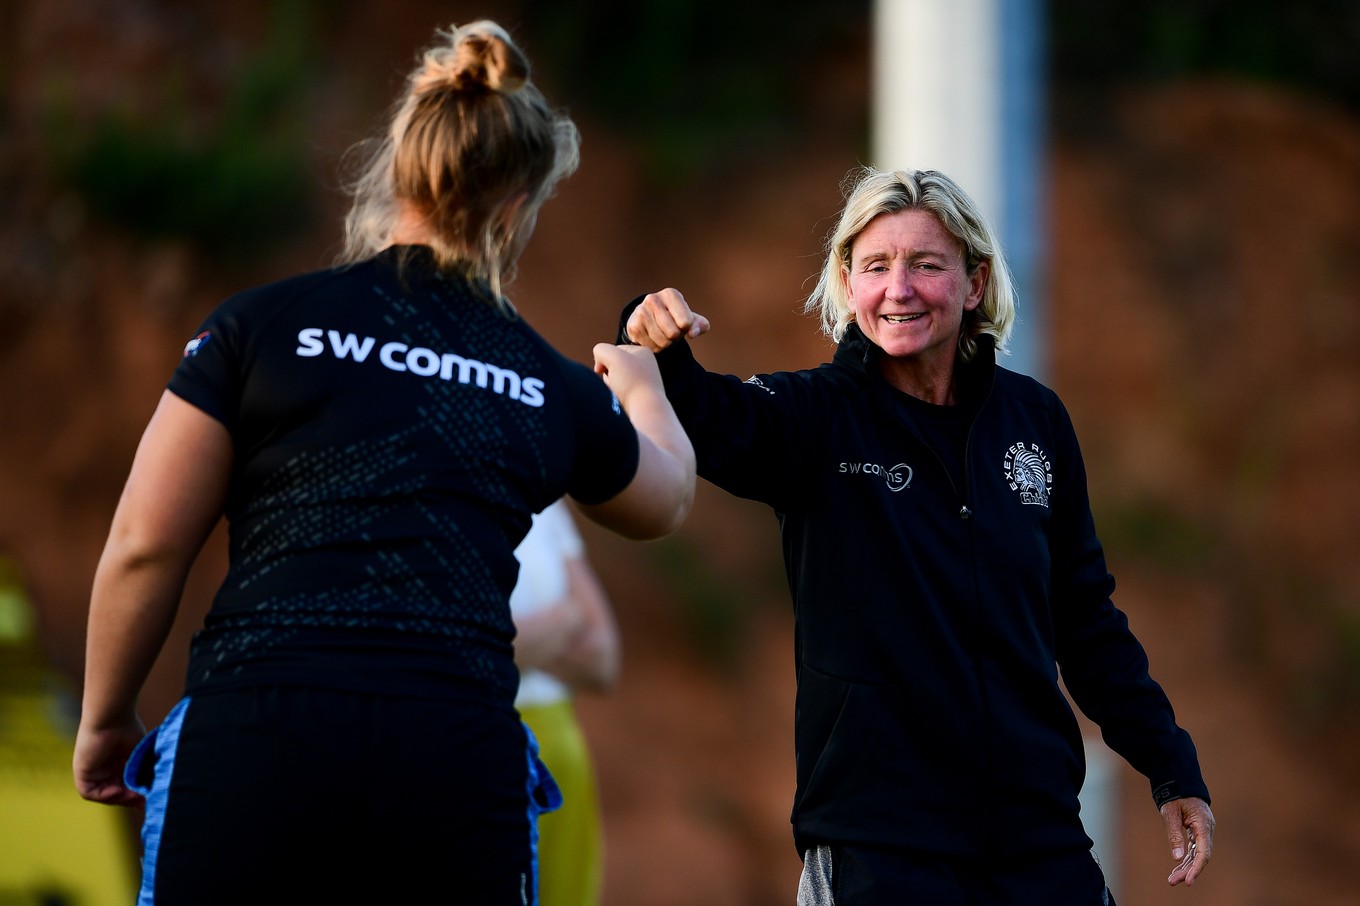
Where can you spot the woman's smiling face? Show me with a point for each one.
(909, 285)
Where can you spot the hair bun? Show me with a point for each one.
(479, 57)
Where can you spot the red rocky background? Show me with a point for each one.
(1203, 285)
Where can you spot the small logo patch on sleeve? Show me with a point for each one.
(193, 346)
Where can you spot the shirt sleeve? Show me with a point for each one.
(209, 374)
(1104, 666)
(606, 450)
(748, 435)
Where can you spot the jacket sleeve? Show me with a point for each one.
(745, 433)
(1103, 664)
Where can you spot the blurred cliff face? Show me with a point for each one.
(1206, 277)
(1203, 286)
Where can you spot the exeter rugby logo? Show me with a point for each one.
(1029, 472)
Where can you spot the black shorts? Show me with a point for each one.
(299, 795)
(835, 875)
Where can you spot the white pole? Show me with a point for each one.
(958, 88)
(936, 107)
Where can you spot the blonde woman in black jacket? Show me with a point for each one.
(944, 568)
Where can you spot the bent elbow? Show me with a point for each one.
(669, 517)
(679, 513)
(654, 505)
(648, 529)
(655, 523)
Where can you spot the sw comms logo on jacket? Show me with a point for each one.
(898, 477)
(1029, 472)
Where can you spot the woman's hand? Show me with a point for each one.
(1190, 815)
(662, 318)
(100, 756)
(629, 371)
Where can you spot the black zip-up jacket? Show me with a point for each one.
(933, 619)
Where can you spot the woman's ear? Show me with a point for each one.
(977, 285)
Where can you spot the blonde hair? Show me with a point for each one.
(869, 193)
(474, 147)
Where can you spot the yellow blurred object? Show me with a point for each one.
(56, 849)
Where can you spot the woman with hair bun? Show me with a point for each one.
(378, 436)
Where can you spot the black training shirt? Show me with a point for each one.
(393, 432)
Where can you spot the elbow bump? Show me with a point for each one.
(665, 521)
(679, 512)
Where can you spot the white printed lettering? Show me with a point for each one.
(897, 478)
(506, 381)
(466, 367)
(309, 342)
(388, 354)
(531, 392)
(350, 345)
(422, 361)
